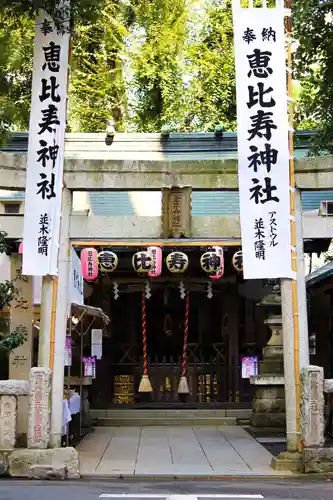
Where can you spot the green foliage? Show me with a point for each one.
(16, 42)
(210, 98)
(8, 340)
(159, 30)
(314, 68)
(97, 90)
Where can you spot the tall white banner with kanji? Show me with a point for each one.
(262, 134)
(42, 211)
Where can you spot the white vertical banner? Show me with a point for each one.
(262, 134)
(44, 180)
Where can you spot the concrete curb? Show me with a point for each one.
(194, 477)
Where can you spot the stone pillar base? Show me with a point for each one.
(287, 461)
(317, 460)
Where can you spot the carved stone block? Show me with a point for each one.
(39, 408)
(8, 417)
(312, 406)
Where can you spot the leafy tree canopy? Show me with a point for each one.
(313, 32)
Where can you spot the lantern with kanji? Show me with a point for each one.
(156, 253)
(219, 273)
(142, 261)
(177, 262)
(108, 261)
(89, 263)
(237, 261)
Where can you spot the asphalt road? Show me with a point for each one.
(194, 490)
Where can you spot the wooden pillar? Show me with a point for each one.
(232, 308)
(21, 317)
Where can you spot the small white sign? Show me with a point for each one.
(76, 295)
(97, 343)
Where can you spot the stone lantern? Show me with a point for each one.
(268, 408)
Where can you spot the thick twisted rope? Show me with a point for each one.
(187, 315)
(144, 334)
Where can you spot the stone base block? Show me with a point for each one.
(269, 405)
(270, 392)
(287, 461)
(21, 463)
(268, 419)
(317, 460)
(271, 367)
(48, 472)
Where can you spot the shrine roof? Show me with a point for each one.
(320, 275)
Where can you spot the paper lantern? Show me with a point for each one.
(142, 261)
(210, 262)
(156, 253)
(177, 262)
(89, 263)
(220, 272)
(21, 248)
(108, 261)
(237, 261)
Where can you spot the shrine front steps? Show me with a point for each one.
(158, 417)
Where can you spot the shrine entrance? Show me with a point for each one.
(214, 343)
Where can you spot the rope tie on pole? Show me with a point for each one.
(145, 385)
(183, 385)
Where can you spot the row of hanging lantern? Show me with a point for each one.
(149, 262)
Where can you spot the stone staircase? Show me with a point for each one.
(169, 417)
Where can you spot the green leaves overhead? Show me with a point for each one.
(313, 25)
(145, 64)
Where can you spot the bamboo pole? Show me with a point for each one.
(293, 225)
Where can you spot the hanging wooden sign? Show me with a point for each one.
(237, 261)
(108, 261)
(176, 212)
(89, 262)
(156, 253)
(142, 262)
(177, 262)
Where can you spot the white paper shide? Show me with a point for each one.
(262, 132)
(45, 149)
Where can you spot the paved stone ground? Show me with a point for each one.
(173, 451)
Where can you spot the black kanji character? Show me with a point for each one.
(257, 97)
(262, 125)
(254, 159)
(269, 156)
(49, 91)
(52, 57)
(259, 228)
(267, 34)
(46, 188)
(50, 117)
(44, 224)
(177, 261)
(249, 35)
(46, 27)
(43, 245)
(258, 191)
(260, 249)
(211, 261)
(259, 62)
(142, 261)
(107, 260)
(48, 153)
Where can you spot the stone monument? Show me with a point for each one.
(268, 407)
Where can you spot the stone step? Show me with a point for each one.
(243, 414)
(164, 421)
